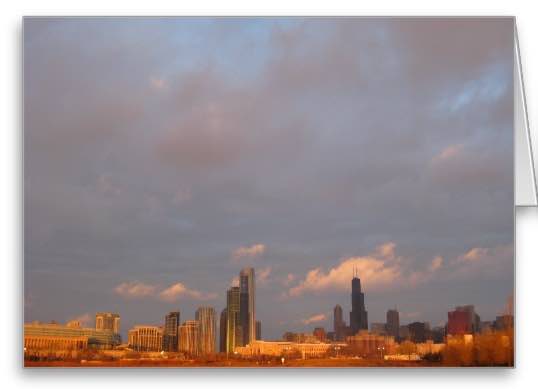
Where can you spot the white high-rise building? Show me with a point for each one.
(205, 316)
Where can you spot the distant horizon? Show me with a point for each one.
(328, 327)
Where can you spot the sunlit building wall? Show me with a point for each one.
(43, 335)
(278, 348)
(206, 319)
(107, 321)
(365, 344)
(146, 338)
(234, 330)
(189, 338)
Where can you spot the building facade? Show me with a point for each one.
(107, 321)
(205, 316)
(146, 338)
(171, 332)
(365, 344)
(463, 320)
(419, 332)
(223, 330)
(234, 331)
(258, 330)
(358, 317)
(338, 322)
(277, 348)
(247, 304)
(189, 338)
(320, 334)
(378, 328)
(44, 337)
(393, 323)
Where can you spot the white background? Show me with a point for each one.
(11, 372)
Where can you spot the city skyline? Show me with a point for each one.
(209, 333)
(163, 155)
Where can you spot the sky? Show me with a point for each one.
(162, 155)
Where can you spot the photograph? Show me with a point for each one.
(267, 192)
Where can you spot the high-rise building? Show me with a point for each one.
(189, 338)
(247, 305)
(319, 334)
(393, 323)
(171, 332)
(223, 330)
(338, 322)
(107, 321)
(206, 317)
(258, 330)
(234, 332)
(463, 320)
(503, 323)
(419, 332)
(358, 317)
(378, 328)
(146, 338)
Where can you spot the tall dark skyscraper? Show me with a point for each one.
(247, 305)
(223, 330)
(358, 317)
(338, 323)
(258, 330)
(171, 332)
(393, 323)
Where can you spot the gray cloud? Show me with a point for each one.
(154, 148)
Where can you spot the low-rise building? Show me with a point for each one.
(46, 338)
(283, 348)
(366, 344)
(146, 338)
(429, 347)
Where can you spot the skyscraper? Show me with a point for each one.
(189, 338)
(258, 330)
(247, 304)
(206, 317)
(338, 322)
(358, 317)
(107, 321)
(223, 330)
(463, 320)
(234, 332)
(393, 323)
(171, 332)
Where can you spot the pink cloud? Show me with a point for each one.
(314, 319)
(449, 153)
(179, 290)
(135, 289)
(248, 253)
(262, 275)
(374, 273)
